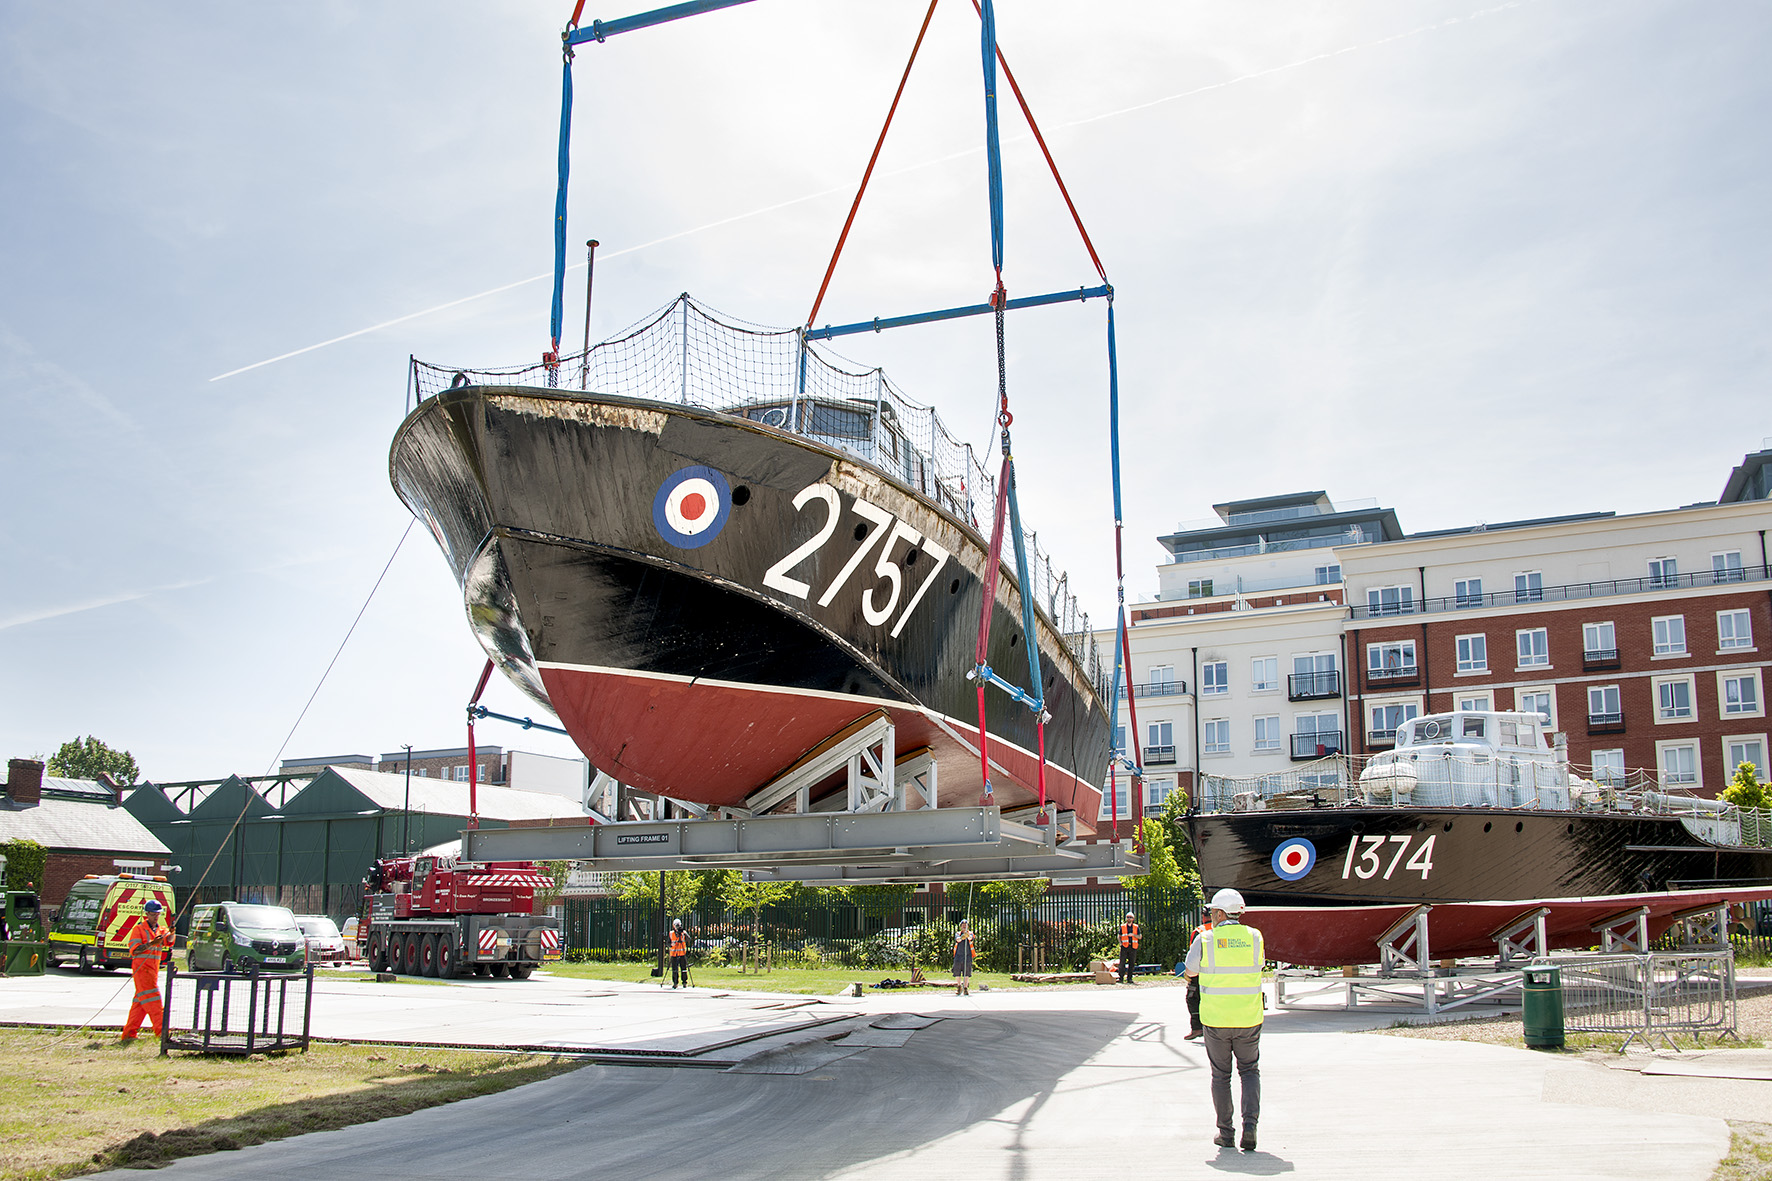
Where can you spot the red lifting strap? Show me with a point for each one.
(872, 160)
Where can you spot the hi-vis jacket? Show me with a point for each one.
(679, 943)
(1231, 959)
(1129, 935)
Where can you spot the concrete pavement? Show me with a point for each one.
(1021, 1085)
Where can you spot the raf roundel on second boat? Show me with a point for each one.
(1294, 858)
(691, 506)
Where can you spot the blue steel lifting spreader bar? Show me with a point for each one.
(599, 31)
(480, 711)
(880, 324)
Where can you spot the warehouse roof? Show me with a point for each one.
(449, 797)
(98, 825)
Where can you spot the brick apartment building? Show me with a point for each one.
(1295, 627)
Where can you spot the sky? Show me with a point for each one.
(1480, 261)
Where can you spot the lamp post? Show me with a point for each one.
(406, 809)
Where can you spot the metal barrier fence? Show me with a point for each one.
(1649, 996)
(235, 1013)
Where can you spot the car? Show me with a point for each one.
(232, 936)
(325, 944)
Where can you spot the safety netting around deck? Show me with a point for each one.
(689, 354)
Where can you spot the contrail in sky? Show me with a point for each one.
(737, 217)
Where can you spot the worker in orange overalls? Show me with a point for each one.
(679, 955)
(1196, 1030)
(148, 939)
(1128, 948)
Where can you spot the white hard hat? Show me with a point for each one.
(676, 922)
(1128, 914)
(1228, 901)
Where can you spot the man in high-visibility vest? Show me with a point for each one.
(148, 938)
(1227, 960)
(679, 955)
(1195, 1029)
(1128, 948)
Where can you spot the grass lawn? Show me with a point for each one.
(81, 1103)
(809, 981)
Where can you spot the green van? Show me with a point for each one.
(232, 936)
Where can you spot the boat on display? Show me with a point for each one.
(706, 584)
(1480, 817)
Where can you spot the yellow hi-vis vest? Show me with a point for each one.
(1230, 976)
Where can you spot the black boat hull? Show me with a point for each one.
(702, 599)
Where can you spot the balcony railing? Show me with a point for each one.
(1156, 689)
(1307, 686)
(1381, 737)
(1573, 590)
(1320, 745)
(1159, 756)
(1600, 658)
(1401, 674)
(1612, 723)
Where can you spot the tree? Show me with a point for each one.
(754, 896)
(681, 890)
(1172, 862)
(87, 758)
(558, 872)
(879, 900)
(1746, 790)
(25, 859)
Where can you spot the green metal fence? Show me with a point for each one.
(1061, 932)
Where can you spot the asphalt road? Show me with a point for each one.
(1010, 1085)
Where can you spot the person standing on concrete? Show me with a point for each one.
(1227, 961)
(148, 938)
(679, 955)
(1128, 949)
(1195, 1029)
(964, 957)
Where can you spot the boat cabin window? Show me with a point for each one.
(1473, 728)
(768, 415)
(838, 423)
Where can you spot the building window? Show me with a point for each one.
(1468, 592)
(1156, 791)
(1670, 635)
(1328, 574)
(1529, 586)
(1161, 748)
(1735, 629)
(1537, 701)
(1599, 641)
(1199, 588)
(1120, 739)
(1477, 703)
(1267, 733)
(1533, 645)
(1387, 718)
(1737, 751)
(1740, 693)
(1473, 654)
(1608, 767)
(1726, 567)
(1163, 679)
(1264, 674)
(461, 773)
(1215, 678)
(1664, 572)
(1394, 658)
(1215, 737)
(1677, 762)
(1603, 706)
(1390, 600)
(1119, 798)
(1315, 735)
(1673, 699)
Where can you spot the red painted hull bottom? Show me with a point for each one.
(713, 743)
(1326, 936)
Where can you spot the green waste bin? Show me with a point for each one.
(24, 958)
(1544, 1007)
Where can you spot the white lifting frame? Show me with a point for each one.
(883, 827)
(1404, 946)
(1704, 928)
(1522, 939)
